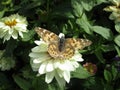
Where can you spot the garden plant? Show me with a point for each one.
(59, 44)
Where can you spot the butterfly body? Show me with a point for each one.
(61, 42)
(58, 46)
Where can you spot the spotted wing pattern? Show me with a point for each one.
(46, 35)
(66, 53)
(53, 50)
(77, 43)
(71, 44)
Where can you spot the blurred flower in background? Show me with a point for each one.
(6, 62)
(12, 26)
(90, 67)
(42, 62)
(115, 9)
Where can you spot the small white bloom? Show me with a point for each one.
(59, 69)
(12, 26)
(115, 9)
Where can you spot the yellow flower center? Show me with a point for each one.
(11, 23)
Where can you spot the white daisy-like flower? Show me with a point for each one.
(115, 9)
(59, 69)
(12, 26)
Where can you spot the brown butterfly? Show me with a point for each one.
(58, 46)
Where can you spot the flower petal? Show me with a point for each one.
(41, 48)
(78, 57)
(39, 42)
(66, 66)
(7, 36)
(42, 68)
(36, 66)
(43, 55)
(75, 65)
(67, 76)
(20, 33)
(37, 61)
(49, 66)
(49, 76)
(15, 34)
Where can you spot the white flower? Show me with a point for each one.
(42, 62)
(12, 26)
(115, 9)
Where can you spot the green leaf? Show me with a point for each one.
(117, 40)
(77, 8)
(84, 24)
(117, 49)
(104, 32)
(93, 83)
(55, 86)
(107, 75)
(117, 27)
(66, 11)
(39, 83)
(22, 83)
(5, 2)
(2, 13)
(35, 3)
(89, 4)
(50, 87)
(107, 48)
(29, 35)
(99, 55)
(108, 87)
(114, 72)
(11, 45)
(80, 73)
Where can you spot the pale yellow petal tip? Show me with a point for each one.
(39, 42)
(112, 9)
(78, 57)
(36, 61)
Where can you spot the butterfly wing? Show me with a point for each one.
(68, 52)
(71, 44)
(51, 38)
(53, 50)
(46, 35)
(77, 43)
(69, 48)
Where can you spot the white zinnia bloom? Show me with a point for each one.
(12, 26)
(42, 62)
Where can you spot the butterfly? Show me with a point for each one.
(58, 46)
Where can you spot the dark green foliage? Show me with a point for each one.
(75, 18)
